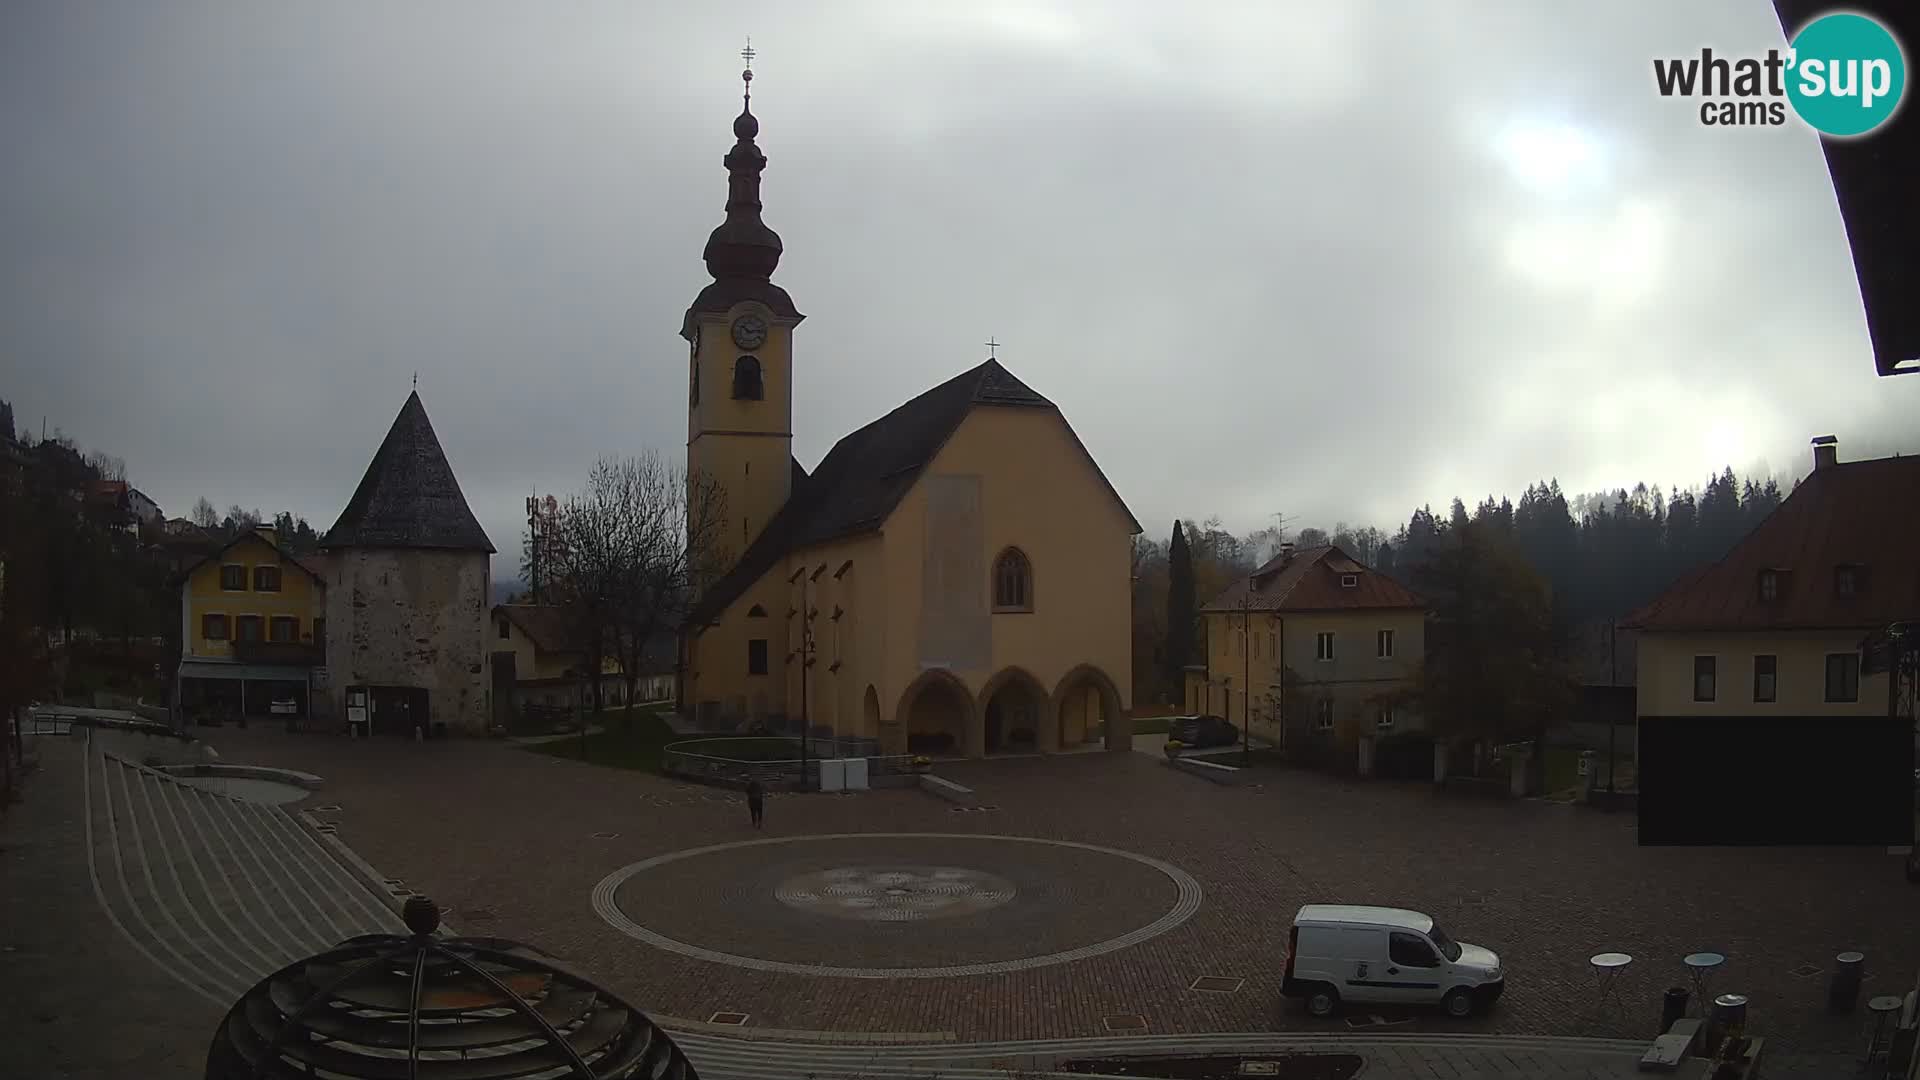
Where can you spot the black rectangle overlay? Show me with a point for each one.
(1776, 780)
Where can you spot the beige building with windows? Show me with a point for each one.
(1776, 627)
(952, 578)
(1328, 647)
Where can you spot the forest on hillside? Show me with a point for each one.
(1599, 555)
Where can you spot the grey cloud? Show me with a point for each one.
(1261, 256)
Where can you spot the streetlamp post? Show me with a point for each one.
(1246, 675)
(805, 653)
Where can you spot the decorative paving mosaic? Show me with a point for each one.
(896, 905)
(895, 893)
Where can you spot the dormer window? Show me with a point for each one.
(1349, 581)
(1769, 586)
(746, 379)
(1848, 579)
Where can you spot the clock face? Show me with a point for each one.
(749, 331)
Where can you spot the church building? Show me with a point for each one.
(952, 578)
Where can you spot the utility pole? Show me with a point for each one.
(533, 536)
(1612, 678)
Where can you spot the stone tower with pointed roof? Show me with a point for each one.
(408, 591)
(952, 578)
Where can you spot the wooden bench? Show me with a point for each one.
(948, 790)
(1209, 770)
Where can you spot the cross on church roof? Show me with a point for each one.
(992, 348)
(747, 53)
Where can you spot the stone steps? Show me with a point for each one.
(219, 891)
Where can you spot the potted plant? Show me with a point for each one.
(1173, 748)
(920, 763)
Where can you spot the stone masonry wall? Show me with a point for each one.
(411, 617)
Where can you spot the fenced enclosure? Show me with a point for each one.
(776, 760)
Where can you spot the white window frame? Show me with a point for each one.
(1323, 647)
(1349, 581)
(1383, 718)
(1693, 673)
(1382, 637)
(1323, 715)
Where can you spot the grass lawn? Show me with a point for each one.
(623, 745)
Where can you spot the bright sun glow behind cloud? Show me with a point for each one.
(1549, 157)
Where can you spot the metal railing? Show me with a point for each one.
(732, 760)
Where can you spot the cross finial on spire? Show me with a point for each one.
(416, 380)
(993, 348)
(748, 54)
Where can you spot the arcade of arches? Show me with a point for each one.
(1010, 712)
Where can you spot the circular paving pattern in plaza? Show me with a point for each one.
(896, 905)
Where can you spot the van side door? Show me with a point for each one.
(1362, 964)
(1413, 970)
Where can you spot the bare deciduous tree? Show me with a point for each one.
(627, 555)
(204, 514)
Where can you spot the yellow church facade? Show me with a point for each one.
(951, 579)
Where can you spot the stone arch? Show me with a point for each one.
(935, 704)
(1073, 699)
(870, 713)
(1013, 709)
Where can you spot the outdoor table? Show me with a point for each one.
(1606, 971)
(1700, 967)
(1879, 1039)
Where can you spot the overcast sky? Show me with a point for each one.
(1332, 260)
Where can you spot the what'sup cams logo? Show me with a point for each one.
(1843, 74)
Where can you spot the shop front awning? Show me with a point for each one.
(214, 669)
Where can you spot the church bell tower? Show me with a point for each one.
(740, 357)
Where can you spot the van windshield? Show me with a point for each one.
(1448, 947)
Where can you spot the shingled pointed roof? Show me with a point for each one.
(867, 473)
(1859, 514)
(1309, 580)
(409, 498)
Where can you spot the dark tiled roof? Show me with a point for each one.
(317, 573)
(544, 624)
(867, 473)
(1865, 513)
(409, 498)
(1310, 581)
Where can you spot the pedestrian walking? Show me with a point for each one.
(756, 801)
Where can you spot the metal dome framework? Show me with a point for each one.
(422, 1007)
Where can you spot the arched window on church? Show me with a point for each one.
(1012, 581)
(756, 612)
(746, 379)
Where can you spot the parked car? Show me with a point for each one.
(1340, 953)
(1202, 731)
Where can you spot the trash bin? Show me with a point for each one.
(1843, 993)
(1673, 1007)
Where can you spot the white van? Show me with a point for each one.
(1349, 953)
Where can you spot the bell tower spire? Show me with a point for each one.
(743, 247)
(740, 329)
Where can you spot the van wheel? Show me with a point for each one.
(1323, 1000)
(1458, 1002)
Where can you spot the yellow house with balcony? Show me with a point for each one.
(252, 630)
(1312, 651)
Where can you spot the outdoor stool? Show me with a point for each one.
(1700, 967)
(1606, 971)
